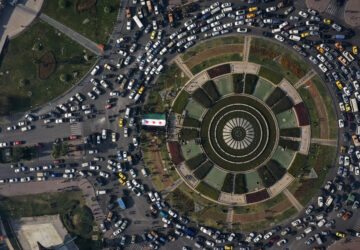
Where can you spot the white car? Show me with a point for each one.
(94, 167)
(173, 213)
(303, 14)
(128, 24)
(104, 174)
(270, 9)
(341, 123)
(320, 201)
(279, 38)
(238, 23)
(346, 161)
(135, 142)
(258, 238)
(268, 235)
(241, 30)
(132, 172)
(357, 153)
(95, 70)
(357, 170)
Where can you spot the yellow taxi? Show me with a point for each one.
(340, 234)
(121, 122)
(339, 85)
(347, 107)
(355, 50)
(327, 21)
(122, 181)
(253, 9)
(251, 15)
(141, 90)
(153, 34)
(229, 247)
(122, 176)
(321, 50)
(305, 34)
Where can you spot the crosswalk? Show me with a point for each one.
(332, 8)
(76, 128)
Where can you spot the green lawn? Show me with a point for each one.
(92, 22)
(215, 60)
(190, 150)
(21, 87)
(329, 106)
(225, 85)
(272, 76)
(287, 119)
(207, 190)
(215, 178)
(253, 181)
(211, 44)
(193, 109)
(263, 89)
(283, 157)
(310, 105)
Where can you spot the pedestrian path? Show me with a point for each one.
(247, 43)
(76, 128)
(87, 43)
(183, 67)
(305, 78)
(171, 188)
(293, 200)
(325, 142)
(229, 218)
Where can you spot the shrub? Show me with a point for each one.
(64, 77)
(250, 83)
(266, 177)
(107, 9)
(298, 164)
(276, 169)
(202, 98)
(63, 4)
(180, 102)
(187, 134)
(208, 190)
(238, 82)
(211, 90)
(270, 75)
(191, 122)
(284, 104)
(275, 96)
(291, 132)
(240, 184)
(203, 170)
(287, 144)
(219, 70)
(228, 183)
(195, 161)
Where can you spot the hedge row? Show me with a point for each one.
(228, 183)
(275, 96)
(191, 122)
(292, 145)
(208, 190)
(180, 102)
(238, 83)
(291, 132)
(211, 90)
(203, 170)
(195, 161)
(250, 83)
(202, 98)
(298, 164)
(276, 169)
(188, 134)
(284, 104)
(270, 75)
(240, 184)
(266, 177)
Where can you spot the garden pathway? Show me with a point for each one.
(229, 218)
(183, 67)
(87, 43)
(325, 142)
(293, 200)
(305, 78)
(171, 188)
(247, 43)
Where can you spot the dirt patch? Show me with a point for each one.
(292, 66)
(320, 109)
(271, 212)
(264, 52)
(84, 5)
(156, 156)
(47, 65)
(204, 55)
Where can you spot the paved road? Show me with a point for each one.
(90, 45)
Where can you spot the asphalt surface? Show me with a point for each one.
(138, 211)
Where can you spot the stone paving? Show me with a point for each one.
(178, 60)
(289, 89)
(280, 185)
(305, 78)
(196, 82)
(247, 43)
(245, 67)
(305, 140)
(293, 200)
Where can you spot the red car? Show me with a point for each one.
(274, 239)
(108, 106)
(59, 161)
(40, 145)
(17, 143)
(73, 137)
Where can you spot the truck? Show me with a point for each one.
(329, 201)
(138, 22)
(354, 105)
(100, 192)
(121, 203)
(149, 6)
(338, 37)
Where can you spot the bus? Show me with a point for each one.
(138, 22)
(354, 105)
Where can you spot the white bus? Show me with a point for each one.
(138, 22)
(354, 105)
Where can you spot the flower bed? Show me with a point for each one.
(257, 196)
(219, 70)
(302, 114)
(175, 152)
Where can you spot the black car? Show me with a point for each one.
(346, 136)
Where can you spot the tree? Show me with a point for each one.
(63, 4)
(107, 9)
(64, 77)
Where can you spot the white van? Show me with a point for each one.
(127, 113)
(85, 164)
(275, 30)
(308, 230)
(159, 69)
(144, 172)
(294, 38)
(99, 192)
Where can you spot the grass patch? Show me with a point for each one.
(191, 122)
(21, 86)
(310, 106)
(100, 25)
(284, 104)
(187, 134)
(240, 184)
(329, 106)
(195, 161)
(288, 144)
(259, 207)
(228, 183)
(208, 191)
(266, 176)
(211, 44)
(215, 60)
(10, 234)
(211, 90)
(180, 102)
(272, 76)
(275, 96)
(250, 83)
(296, 167)
(202, 98)
(238, 81)
(203, 170)
(291, 132)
